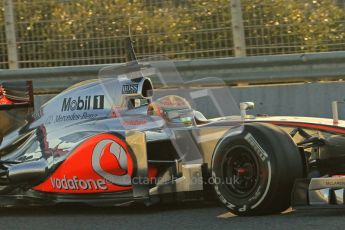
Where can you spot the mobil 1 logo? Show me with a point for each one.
(83, 103)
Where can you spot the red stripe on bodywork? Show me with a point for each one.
(308, 125)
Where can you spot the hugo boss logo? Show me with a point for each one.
(83, 103)
(130, 89)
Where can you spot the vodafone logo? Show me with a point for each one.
(75, 184)
(109, 160)
(100, 164)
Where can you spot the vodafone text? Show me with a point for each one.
(78, 184)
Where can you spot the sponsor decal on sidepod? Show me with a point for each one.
(101, 164)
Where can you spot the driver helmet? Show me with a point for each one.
(175, 110)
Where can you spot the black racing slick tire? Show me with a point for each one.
(253, 170)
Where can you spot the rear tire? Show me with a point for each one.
(253, 172)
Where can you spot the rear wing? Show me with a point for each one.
(16, 94)
(16, 103)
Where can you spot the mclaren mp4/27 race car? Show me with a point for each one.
(115, 140)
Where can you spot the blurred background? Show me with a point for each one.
(45, 33)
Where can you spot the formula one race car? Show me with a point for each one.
(115, 141)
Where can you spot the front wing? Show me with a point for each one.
(326, 192)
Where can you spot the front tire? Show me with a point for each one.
(253, 172)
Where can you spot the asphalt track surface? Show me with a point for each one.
(173, 216)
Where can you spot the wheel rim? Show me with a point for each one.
(240, 171)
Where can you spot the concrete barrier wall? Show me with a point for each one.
(309, 99)
(311, 67)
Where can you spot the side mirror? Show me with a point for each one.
(335, 113)
(244, 106)
(16, 94)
